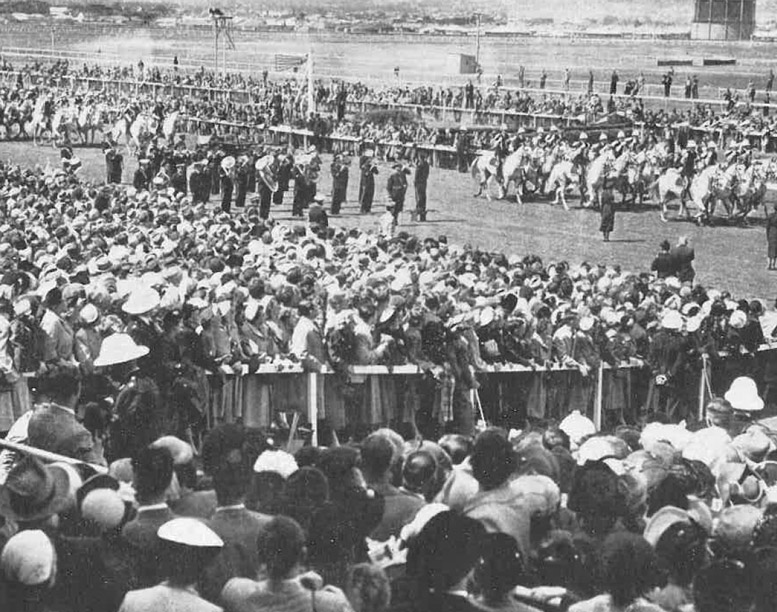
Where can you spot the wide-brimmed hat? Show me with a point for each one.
(141, 301)
(29, 558)
(189, 532)
(89, 314)
(743, 395)
(119, 348)
(662, 520)
(228, 163)
(34, 491)
(672, 320)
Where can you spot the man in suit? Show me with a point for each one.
(241, 181)
(377, 454)
(419, 182)
(317, 217)
(237, 526)
(53, 426)
(683, 256)
(152, 474)
(178, 180)
(339, 171)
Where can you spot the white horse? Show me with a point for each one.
(598, 171)
(669, 185)
(710, 186)
(562, 177)
(484, 171)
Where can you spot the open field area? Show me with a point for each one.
(731, 258)
(374, 57)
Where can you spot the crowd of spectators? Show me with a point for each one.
(344, 107)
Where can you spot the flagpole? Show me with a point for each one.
(311, 97)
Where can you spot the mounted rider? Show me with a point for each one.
(579, 156)
(621, 144)
(710, 155)
(500, 144)
(687, 162)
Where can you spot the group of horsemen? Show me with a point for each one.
(637, 166)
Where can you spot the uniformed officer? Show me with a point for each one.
(142, 175)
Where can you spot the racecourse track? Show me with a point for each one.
(731, 258)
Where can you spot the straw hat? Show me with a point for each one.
(743, 395)
(672, 320)
(89, 314)
(189, 532)
(141, 301)
(119, 348)
(228, 163)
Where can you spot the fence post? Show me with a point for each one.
(702, 383)
(599, 397)
(313, 406)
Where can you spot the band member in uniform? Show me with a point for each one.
(241, 181)
(368, 168)
(397, 188)
(339, 170)
(227, 182)
(266, 184)
(284, 176)
(420, 180)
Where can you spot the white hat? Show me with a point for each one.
(662, 520)
(180, 451)
(738, 319)
(105, 507)
(577, 427)
(29, 558)
(586, 323)
(189, 532)
(89, 314)
(141, 301)
(277, 461)
(743, 395)
(119, 348)
(228, 163)
(672, 320)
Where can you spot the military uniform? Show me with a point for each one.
(420, 180)
(339, 172)
(397, 188)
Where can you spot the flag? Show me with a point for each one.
(284, 62)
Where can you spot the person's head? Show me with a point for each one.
(720, 413)
(231, 478)
(457, 446)
(305, 491)
(725, 585)
(665, 246)
(629, 568)
(61, 384)
(682, 551)
(493, 459)
(445, 552)
(682, 241)
(29, 568)
(367, 588)
(281, 546)
(418, 472)
(376, 454)
(500, 568)
(152, 473)
(669, 492)
(187, 547)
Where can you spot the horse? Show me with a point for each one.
(562, 177)
(710, 186)
(483, 171)
(598, 170)
(143, 127)
(750, 189)
(668, 185)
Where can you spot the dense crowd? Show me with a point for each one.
(127, 312)
(559, 517)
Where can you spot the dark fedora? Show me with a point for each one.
(34, 491)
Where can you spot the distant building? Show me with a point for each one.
(723, 20)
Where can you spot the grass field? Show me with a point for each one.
(732, 258)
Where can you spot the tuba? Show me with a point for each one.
(264, 167)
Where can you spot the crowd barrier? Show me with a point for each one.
(379, 395)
